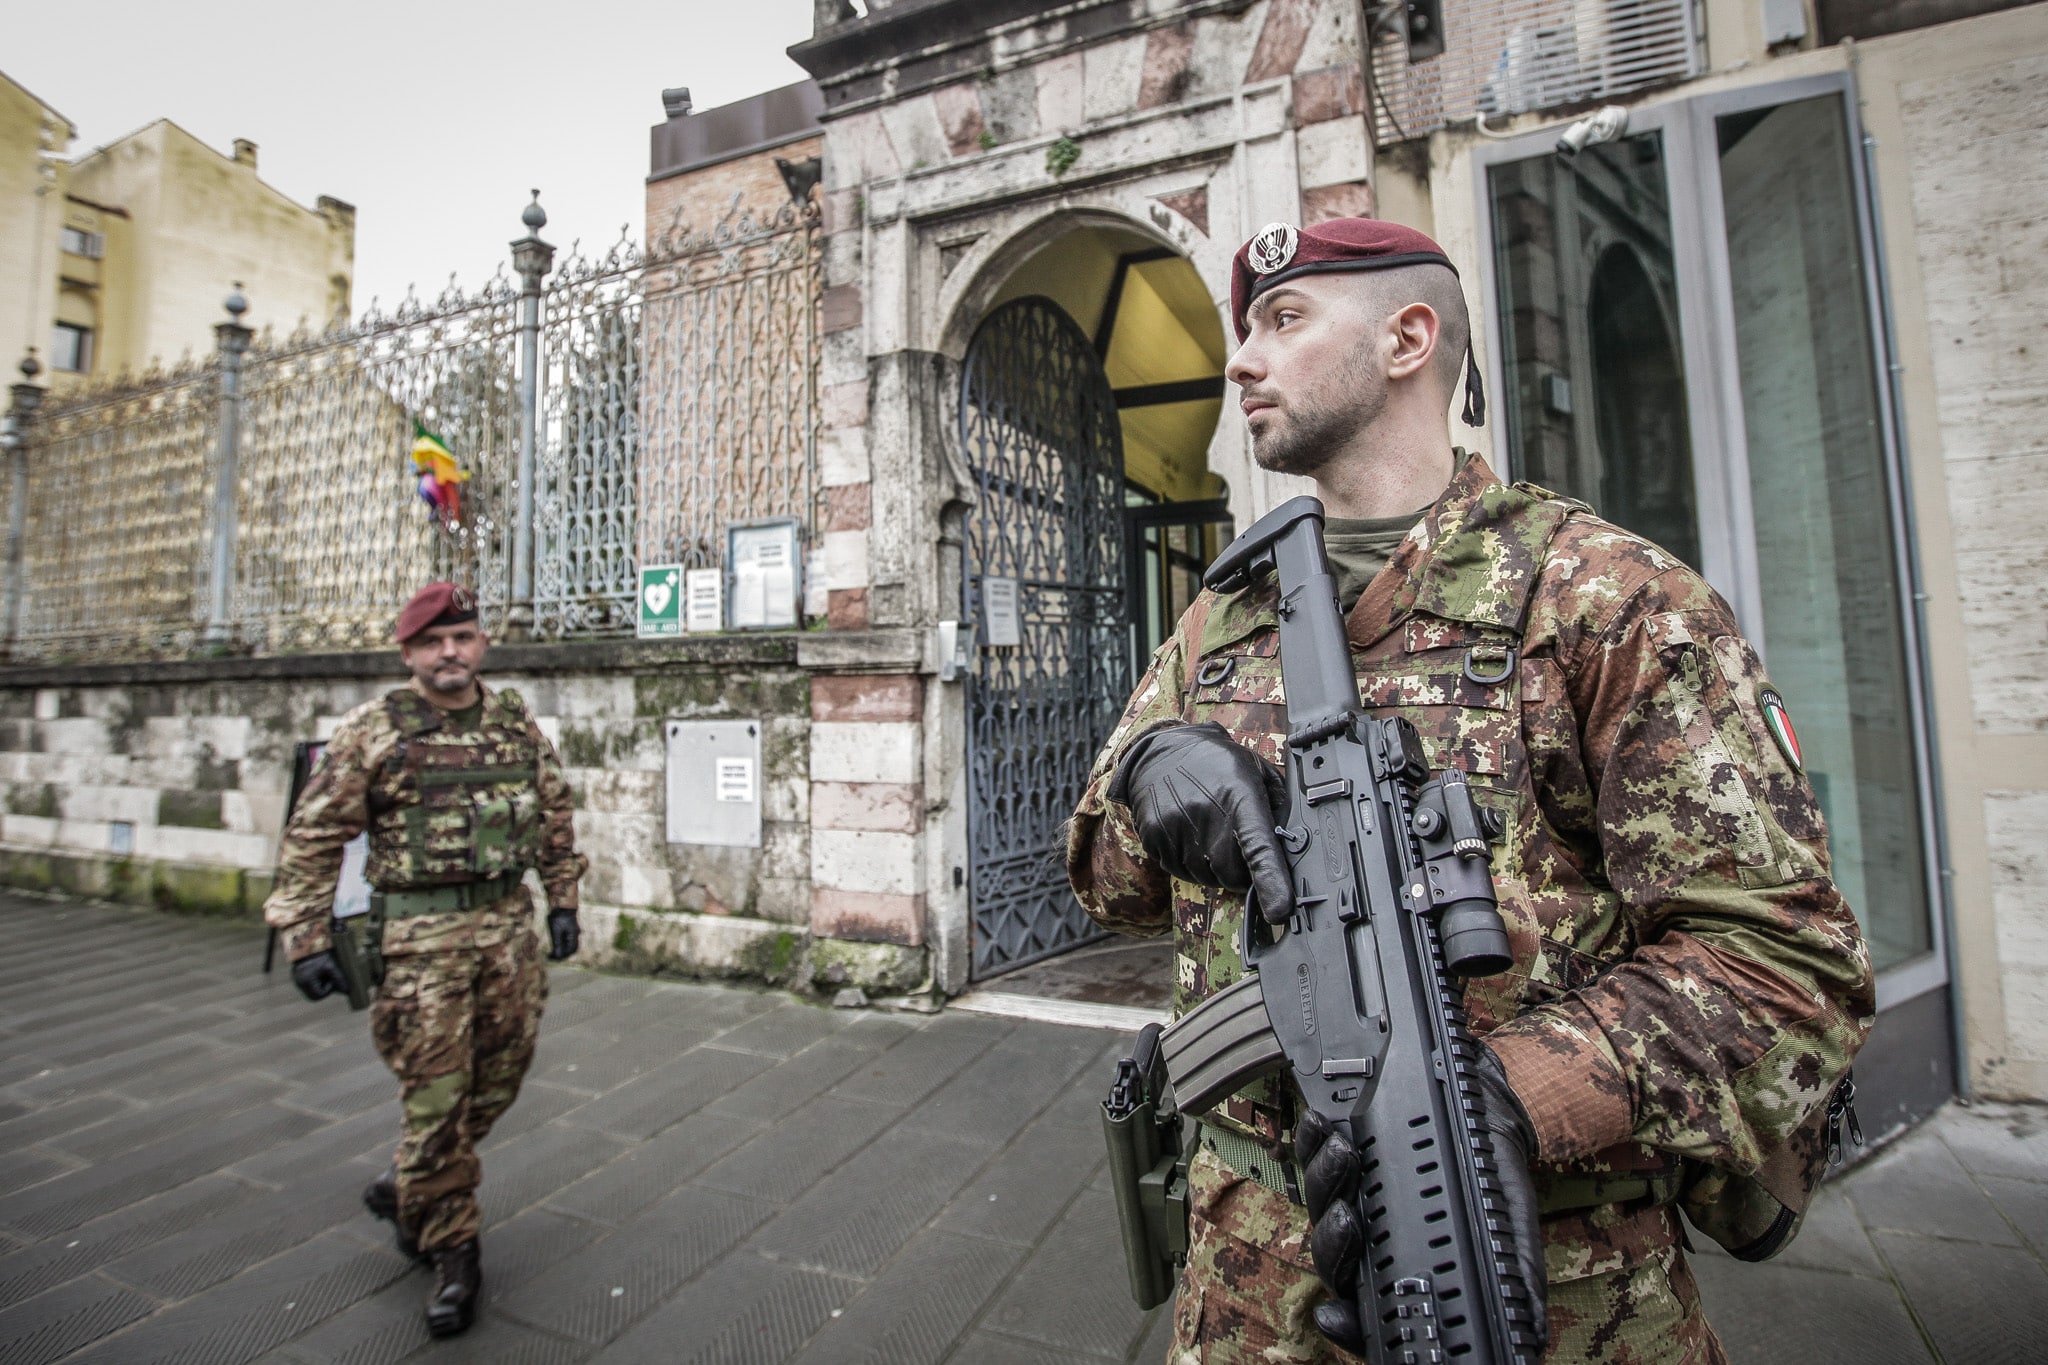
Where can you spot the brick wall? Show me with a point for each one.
(697, 198)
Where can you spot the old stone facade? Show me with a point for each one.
(1025, 453)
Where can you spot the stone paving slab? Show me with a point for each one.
(698, 1173)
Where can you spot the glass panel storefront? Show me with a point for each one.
(1596, 402)
(1824, 549)
(1597, 258)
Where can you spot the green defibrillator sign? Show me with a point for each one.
(661, 601)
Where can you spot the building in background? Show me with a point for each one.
(33, 139)
(157, 224)
(1781, 310)
(118, 260)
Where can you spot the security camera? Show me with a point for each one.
(1603, 125)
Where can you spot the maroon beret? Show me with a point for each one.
(437, 604)
(1280, 251)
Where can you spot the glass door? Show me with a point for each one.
(1683, 329)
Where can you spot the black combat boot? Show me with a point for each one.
(380, 1197)
(458, 1284)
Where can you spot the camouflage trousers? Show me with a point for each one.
(1250, 1287)
(457, 1027)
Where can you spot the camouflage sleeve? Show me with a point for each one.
(1748, 989)
(1118, 885)
(331, 811)
(561, 866)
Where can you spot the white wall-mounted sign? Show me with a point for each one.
(763, 564)
(714, 785)
(999, 612)
(704, 600)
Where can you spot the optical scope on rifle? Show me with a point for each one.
(1394, 899)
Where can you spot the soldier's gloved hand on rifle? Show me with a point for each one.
(1330, 1173)
(563, 935)
(1204, 809)
(318, 975)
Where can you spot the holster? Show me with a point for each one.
(359, 952)
(1148, 1170)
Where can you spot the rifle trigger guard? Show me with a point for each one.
(1507, 667)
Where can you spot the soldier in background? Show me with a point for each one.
(1688, 986)
(461, 794)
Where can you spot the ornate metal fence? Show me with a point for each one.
(681, 395)
(674, 392)
(332, 532)
(118, 519)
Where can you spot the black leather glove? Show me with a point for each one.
(563, 935)
(318, 975)
(1330, 1173)
(1514, 1143)
(1204, 807)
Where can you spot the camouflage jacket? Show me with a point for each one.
(1688, 982)
(365, 781)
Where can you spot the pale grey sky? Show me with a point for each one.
(432, 117)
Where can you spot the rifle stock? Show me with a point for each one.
(1354, 993)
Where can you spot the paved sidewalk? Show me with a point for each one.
(697, 1173)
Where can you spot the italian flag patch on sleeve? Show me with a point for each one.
(1779, 722)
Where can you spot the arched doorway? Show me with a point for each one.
(1089, 394)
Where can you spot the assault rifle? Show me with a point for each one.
(1393, 899)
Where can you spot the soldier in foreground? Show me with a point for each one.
(460, 793)
(1687, 987)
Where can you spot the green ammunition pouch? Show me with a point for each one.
(1754, 1217)
(441, 900)
(359, 953)
(1148, 1170)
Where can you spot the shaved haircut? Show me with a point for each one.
(1385, 292)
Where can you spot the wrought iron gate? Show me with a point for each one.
(1039, 426)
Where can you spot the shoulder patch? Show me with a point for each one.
(1779, 722)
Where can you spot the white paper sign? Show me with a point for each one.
(704, 601)
(817, 598)
(735, 779)
(764, 576)
(999, 608)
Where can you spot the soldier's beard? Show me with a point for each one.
(451, 680)
(1304, 433)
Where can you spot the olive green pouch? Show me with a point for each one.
(1754, 1217)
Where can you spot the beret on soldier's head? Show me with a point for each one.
(437, 604)
(1280, 252)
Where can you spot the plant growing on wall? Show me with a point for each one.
(1061, 156)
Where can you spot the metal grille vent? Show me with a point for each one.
(1505, 57)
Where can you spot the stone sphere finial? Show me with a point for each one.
(30, 366)
(535, 217)
(235, 303)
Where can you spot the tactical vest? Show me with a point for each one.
(450, 808)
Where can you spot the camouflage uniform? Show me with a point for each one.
(1688, 984)
(460, 1005)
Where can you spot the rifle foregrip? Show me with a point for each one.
(1219, 1046)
